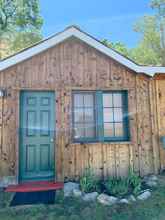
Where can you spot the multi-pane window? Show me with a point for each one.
(113, 114)
(84, 115)
(100, 116)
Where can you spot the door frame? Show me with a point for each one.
(18, 92)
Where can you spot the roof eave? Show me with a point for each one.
(76, 32)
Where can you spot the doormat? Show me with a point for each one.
(30, 198)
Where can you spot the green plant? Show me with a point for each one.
(117, 186)
(135, 181)
(122, 186)
(88, 182)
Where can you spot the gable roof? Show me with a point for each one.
(74, 31)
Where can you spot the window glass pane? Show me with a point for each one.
(108, 130)
(118, 115)
(119, 129)
(89, 130)
(78, 115)
(108, 115)
(88, 100)
(117, 100)
(107, 100)
(78, 100)
(79, 131)
(89, 115)
(84, 115)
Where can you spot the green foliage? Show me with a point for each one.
(23, 40)
(123, 186)
(88, 182)
(118, 46)
(19, 15)
(117, 187)
(135, 182)
(113, 186)
(20, 25)
(150, 49)
(159, 5)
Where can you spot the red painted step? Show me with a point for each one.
(35, 186)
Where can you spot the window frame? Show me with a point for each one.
(125, 119)
(84, 139)
(99, 117)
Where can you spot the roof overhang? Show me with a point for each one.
(76, 32)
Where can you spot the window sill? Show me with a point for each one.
(118, 142)
(105, 142)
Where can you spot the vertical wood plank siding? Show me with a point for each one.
(159, 89)
(75, 65)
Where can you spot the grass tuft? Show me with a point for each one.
(76, 209)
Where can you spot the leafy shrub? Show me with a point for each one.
(123, 186)
(117, 187)
(88, 182)
(135, 182)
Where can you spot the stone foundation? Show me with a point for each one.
(8, 180)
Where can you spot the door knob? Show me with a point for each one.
(52, 140)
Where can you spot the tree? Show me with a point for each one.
(19, 15)
(151, 48)
(148, 49)
(24, 39)
(20, 24)
(118, 46)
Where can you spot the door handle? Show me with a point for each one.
(52, 140)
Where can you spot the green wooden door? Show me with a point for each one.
(37, 136)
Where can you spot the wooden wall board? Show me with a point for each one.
(74, 65)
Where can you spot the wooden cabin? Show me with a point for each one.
(70, 103)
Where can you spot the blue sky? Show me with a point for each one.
(104, 19)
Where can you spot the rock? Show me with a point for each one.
(153, 178)
(145, 178)
(77, 193)
(8, 180)
(124, 201)
(106, 200)
(90, 196)
(151, 183)
(69, 187)
(146, 190)
(145, 195)
(131, 198)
